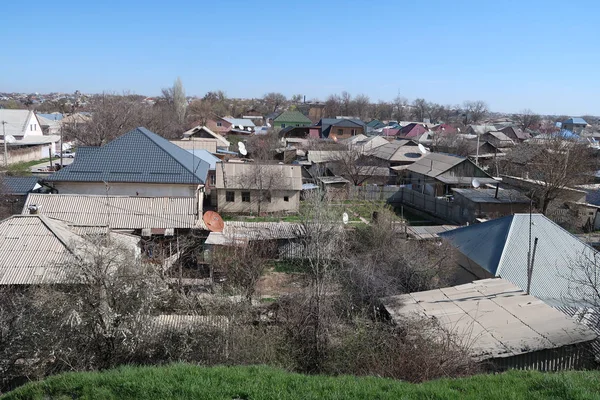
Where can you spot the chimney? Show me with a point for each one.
(496, 195)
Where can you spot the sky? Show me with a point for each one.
(540, 55)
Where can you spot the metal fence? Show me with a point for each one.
(436, 206)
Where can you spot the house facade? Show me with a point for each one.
(138, 163)
(258, 188)
(341, 128)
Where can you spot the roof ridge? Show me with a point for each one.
(506, 238)
(153, 137)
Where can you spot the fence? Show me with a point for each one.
(373, 192)
(435, 206)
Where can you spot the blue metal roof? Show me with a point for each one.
(206, 156)
(501, 246)
(51, 117)
(18, 185)
(137, 156)
(577, 121)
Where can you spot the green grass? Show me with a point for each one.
(182, 381)
(24, 168)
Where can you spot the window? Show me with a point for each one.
(340, 131)
(213, 179)
(297, 124)
(246, 197)
(230, 196)
(286, 198)
(219, 124)
(353, 132)
(283, 125)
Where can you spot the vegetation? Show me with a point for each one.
(182, 381)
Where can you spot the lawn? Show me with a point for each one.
(24, 168)
(182, 381)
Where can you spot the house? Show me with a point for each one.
(212, 160)
(144, 216)
(412, 130)
(480, 129)
(218, 125)
(138, 163)
(35, 249)
(258, 188)
(20, 124)
(482, 203)
(502, 326)
(398, 152)
(50, 123)
(341, 128)
(14, 191)
(204, 133)
(301, 132)
(335, 187)
(291, 118)
(374, 125)
(503, 246)
(240, 124)
(497, 138)
(516, 134)
(575, 125)
(435, 174)
(366, 143)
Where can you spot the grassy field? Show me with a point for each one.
(261, 383)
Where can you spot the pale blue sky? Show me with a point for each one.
(542, 55)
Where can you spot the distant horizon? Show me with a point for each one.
(541, 55)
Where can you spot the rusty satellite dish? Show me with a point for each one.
(213, 221)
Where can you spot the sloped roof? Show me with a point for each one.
(117, 212)
(495, 318)
(240, 122)
(292, 117)
(517, 132)
(221, 139)
(576, 120)
(51, 116)
(205, 155)
(16, 121)
(375, 124)
(341, 122)
(137, 156)
(499, 136)
(481, 129)
(17, 185)
(412, 130)
(500, 246)
(434, 164)
(32, 249)
(398, 151)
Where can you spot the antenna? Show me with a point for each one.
(345, 218)
(475, 183)
(422, 149)
(213, 221)
(242, 148)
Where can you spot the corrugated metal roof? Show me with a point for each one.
(137, 156)
(434, 164)
(500, 246)
(321, 156)
(16, 121)
(428, 232)
(494, 317)
(117, 212)
(240, 122)
(291, 117)
(397, 151)
(577, 120)
(489, 195)
(17, 185)
(33, 250)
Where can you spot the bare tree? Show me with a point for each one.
(475, 111)
(361, 105)
(333, 106)
(263, 181)
(199, 112)
(420, 109)
(353, 165)
(400, 112)
(346, 100)
(527, 119)
(274, 101)
(179, 101)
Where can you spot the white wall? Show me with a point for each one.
(127, 189)
(33, 128)
(277, 203)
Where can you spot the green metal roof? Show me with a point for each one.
(290, 117)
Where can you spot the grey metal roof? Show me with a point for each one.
(16, 121)
(241, 231)
(489, 195)
(240, 122)
(205, 155)
(137, 156)
(34, 250)
(493, 317)
(17, 185)
(117, 212)
(434, 164)
(427, 232)
(398, 151)
(481, 129)
(500, 246)
(576, 120)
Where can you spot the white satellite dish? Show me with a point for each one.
(345, 218)
(242, 148)
(10, 139)
(422, 149)
(475, 183)
(458, 129)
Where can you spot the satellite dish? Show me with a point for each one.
(242, 148)
(475, 183)
(345, 218)
(422, 149)
(213, 221)
(458, 129)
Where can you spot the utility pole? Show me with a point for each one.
(4, 140)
